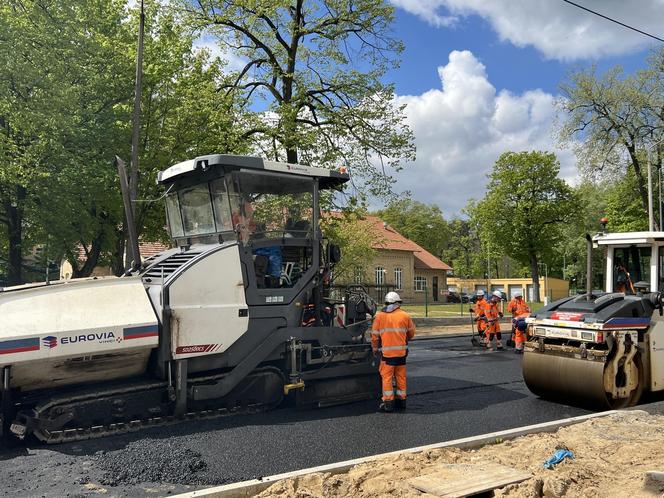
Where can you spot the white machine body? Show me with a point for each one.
(48, 332)
(207, 304)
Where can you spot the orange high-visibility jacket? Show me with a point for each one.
(492, 315)
(481, 306)
(391, 332)
(518, 308)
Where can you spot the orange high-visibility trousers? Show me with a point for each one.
(519, 339)
(387, 373)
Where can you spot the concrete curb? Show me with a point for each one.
(254, 486)
(440, 336)
(451, 321)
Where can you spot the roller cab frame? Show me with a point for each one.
(604, 349)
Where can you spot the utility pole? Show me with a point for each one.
(136, 128)
(651, 216)
(133, 179)
(488, 268)
(659, 183)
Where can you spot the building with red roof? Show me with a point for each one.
(402, 265)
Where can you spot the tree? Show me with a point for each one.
(315, 68)
(57, 92)
(623, 205)
(423, 224)
(614, 120)
(525, 207)
(66, 87)
(568, 257)
(348, 229)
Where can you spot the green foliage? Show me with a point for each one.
(463, 252)
(66, 90)
(568, 259)
(613, 120)
(316, 69)
(58, 106)
(623, 206)
(525, 207)
(423, 224)
(348, 230)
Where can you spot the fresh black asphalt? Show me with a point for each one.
(455, 391)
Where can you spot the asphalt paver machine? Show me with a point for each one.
(235, 317)
(604, 349)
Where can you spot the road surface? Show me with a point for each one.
(455, 391)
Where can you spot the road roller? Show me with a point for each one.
(604, 349)
(237, 316)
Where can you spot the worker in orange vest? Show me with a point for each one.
(493, 314)
(481, 305)
(520, 311)
(391, 330)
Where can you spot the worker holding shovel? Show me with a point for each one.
(493, 314)
(481, 306)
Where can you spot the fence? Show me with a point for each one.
(377, 292)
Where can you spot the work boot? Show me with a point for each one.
(499, 345)
(518, 351)
(386, 407)
(400, 404)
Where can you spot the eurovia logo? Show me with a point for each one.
(50, 341)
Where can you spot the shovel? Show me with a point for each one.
(474, 340)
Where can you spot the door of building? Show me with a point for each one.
(435, 288)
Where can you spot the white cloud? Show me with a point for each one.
(557, 29)
(427, 10)
(215, 49)
(461, 129)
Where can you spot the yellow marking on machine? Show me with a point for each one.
(295, 385)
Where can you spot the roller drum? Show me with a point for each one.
(572, 380)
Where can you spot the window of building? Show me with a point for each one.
(358, 275)
(380, 275)
(420, 284)
(398, 278)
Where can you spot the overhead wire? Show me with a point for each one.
(614, 20)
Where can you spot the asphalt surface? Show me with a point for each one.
(455, 391)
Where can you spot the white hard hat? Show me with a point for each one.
(392, 297)
(497, 294)
(517, 294)
(480, 292)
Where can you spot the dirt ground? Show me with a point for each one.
(611, 456)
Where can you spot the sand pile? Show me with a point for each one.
(611, 456)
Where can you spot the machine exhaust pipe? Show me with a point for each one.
(589, 267)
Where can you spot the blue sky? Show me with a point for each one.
(481, 77)
(515, 68)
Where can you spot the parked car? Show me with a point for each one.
(455, 297)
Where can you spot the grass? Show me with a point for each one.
(450, 310)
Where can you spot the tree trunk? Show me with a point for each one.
(14, 211)
(291, 156)
(91, 261)
(117, 258)
(534, 271)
